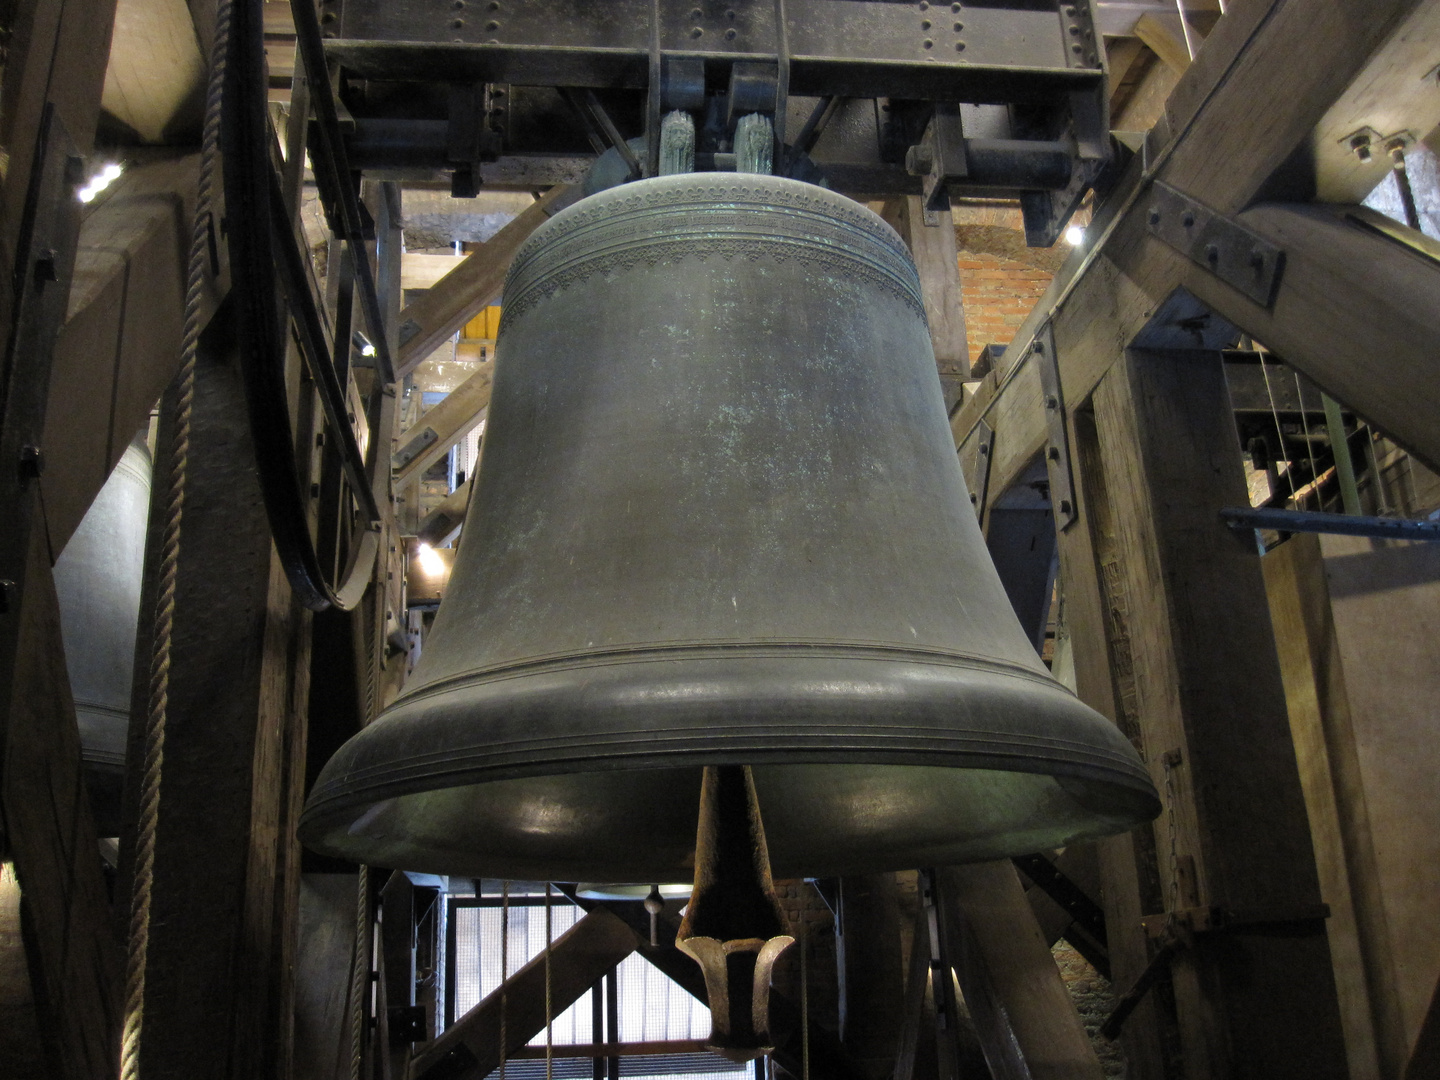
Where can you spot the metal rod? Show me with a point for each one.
(1185, 28)
(1402, 181)
(1338, 524)
(1340, 447)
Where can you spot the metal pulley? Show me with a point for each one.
(720, 521)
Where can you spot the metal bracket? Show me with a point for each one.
(1057, 448)
(1243, 259)
(407, 1023)
(1211, 918)
(416, 445)
(981, 444)
(1081, 50)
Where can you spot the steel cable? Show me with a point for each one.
(142, 887)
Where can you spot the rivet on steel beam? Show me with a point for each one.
(1154, 215)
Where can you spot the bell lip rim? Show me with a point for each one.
(325, 812)
(720, 651)
(319, 823)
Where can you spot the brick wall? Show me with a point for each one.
(1000, 279)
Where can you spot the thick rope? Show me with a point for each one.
(360, 972)
(159, 700)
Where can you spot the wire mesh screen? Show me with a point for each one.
(477, 959)
(651, 1007)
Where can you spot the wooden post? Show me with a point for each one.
(1027, 1024)
(872, 970)
(218, 997)
(1211, 708)
(933, 248)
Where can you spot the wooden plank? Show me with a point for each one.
(1026, 1021)
(74, 957)
(1206, 682)
(444, 425)
(578, 958)
(474, 284)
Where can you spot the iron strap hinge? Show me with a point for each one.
(1057, 446)
(1241, 258)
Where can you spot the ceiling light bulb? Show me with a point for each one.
(1075, 235)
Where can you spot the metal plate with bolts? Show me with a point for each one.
(1242, 259)
(416, 445)
(1057, 446)
(975, 455)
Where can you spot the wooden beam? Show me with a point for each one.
(74, 957)
(21, 1047)
(419, 270)
(1169, 46)
(443, 426)
(1206, 680)
(155, 79)
(579, 957)
(1107, 294)
(474, 284)
(324, 962)
(217, 997)
(933, 248)
(120, 345)
(1026, 1021)
(441, 525)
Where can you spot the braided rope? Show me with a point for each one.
(159, 699)
(359, 972)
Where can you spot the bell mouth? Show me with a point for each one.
(864, 761)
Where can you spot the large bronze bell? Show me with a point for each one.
(720, 519)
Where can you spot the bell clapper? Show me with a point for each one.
(734, 927)
(654, 905)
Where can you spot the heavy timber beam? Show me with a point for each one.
(217, 995)
(1205, 147)
(1206, 679)
(120, 345)
(471, 1047)
(1026, 1021)
(474, 284)
(74, 960)
(443, 426)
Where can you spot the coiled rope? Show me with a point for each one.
(159, 698)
